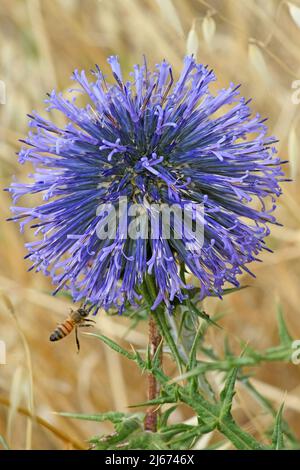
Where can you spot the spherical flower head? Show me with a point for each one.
(151, 140)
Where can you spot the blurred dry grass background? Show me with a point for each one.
(253, 42)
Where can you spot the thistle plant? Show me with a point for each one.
(155, 141)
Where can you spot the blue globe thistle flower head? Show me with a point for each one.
(150, 139)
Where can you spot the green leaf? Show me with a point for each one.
(201, 313)
(224, 365)
(112, 416)
(196, 291)
(279, 353)
(156, 371)
(241, 439)
(156, 401)
(163, 418)
(284, 335)
(174, 429)
(277, 437)
(230, 290)
(184, 314)
(207, 412)
(268, 405)
(124, 424)
(124, 430)
(227, 394)
(192, 358)
(212, 412)
(250, 358)
(115, 346)
(139, 361)
(216, 445)
(209, 415)
(149, 291)
(156, 360)
(146, 440)
(187, 437)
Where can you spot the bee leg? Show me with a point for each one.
(90, 320)
(77, 339)
(85, 325)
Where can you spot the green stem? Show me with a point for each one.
(150, 295)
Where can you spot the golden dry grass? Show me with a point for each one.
(253, 42)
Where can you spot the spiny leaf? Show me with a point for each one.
(139, 361)
(277, 437)
(257, 395)
(155, 401)
(192, 358)
(251, 358)
(138, 440)
(148, 363)
(268, 405)
(112, 416)
(209, 415)
(186, 438)
(146, 440)
(174, 429)
(115, 346)
(201, 314)
(227, 394)
(284, 335)
(163, 418)
(124, 429)
(224, 365)
(279, 353)
(216, 445)
(207, 412)
(157, 356)
(149, 291)
(183, 316)
(240, 438)
(156, 371)
(230, 290)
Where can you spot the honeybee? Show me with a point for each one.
(76, 319)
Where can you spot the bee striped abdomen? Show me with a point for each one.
(62, 330)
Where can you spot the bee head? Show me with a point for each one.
(83, 312)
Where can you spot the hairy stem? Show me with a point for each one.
(149, 291)
(155, 339)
